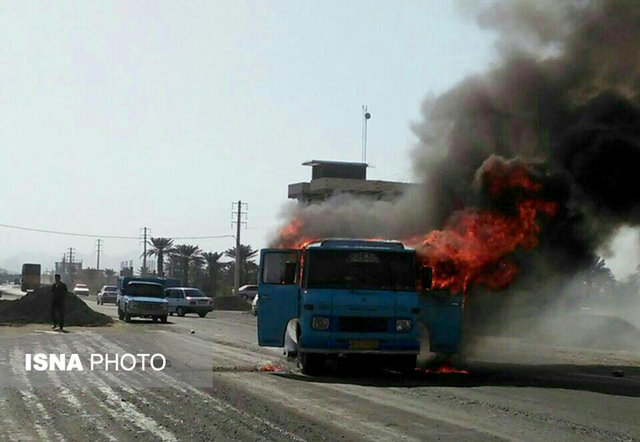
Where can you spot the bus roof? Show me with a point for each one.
(343, 243)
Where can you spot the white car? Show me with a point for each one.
(81, 290)
(254, 306)
(248, 291)
(107, 294)
(183, 300)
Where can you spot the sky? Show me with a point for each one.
(118, 115)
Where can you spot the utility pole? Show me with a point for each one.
(72, 267)
(236, 212)
(144, 252)
(365, 117)
(98, 250)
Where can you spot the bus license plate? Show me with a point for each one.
(363, 345)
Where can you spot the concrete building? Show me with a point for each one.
(334, 177)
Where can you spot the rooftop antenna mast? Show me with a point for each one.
(365, 116)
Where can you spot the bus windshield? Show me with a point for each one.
(359, 269)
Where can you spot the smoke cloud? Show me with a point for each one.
(563, 103)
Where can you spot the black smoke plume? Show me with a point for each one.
(563, 100)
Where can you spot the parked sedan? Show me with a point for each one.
(248, 291)
(183, 300)
(81, 290)
(107, 294)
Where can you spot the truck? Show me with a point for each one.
(142, 297)
(337, 298)
(30, 277)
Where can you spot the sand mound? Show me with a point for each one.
(592, 331)
(35, 307)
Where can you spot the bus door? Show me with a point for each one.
(278, 293)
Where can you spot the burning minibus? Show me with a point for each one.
(345, 297)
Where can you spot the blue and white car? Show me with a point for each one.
(142, 298)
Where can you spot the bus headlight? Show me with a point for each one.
(403, 325)
(320, 323)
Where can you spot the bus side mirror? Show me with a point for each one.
(426, 277)
(289, 276)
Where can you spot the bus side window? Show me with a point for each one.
(279, 268)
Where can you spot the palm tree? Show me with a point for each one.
(196, 271)
(173, 265)
(160, 247)
(186, 255)
(109, 275)
(247, 254)
(214, 266)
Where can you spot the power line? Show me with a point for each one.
(89, 235)
(56, 232)
(202, 237)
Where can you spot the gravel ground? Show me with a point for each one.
(213, 388)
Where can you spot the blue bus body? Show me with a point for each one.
(364, 300)
(441, 313)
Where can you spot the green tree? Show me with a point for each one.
(214, 267)
(187, 255)
(597, 280)
(246, 254)
(110, 276)
(159, 248)
(173, 266)
(197, 277)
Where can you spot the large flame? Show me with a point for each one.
(291, 235)
(474, 247)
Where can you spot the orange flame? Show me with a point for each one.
(291, 237)
(271, 367)
(446, 369)
(474, 247)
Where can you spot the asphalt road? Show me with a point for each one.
(213, 387)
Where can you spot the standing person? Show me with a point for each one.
(58, 295)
